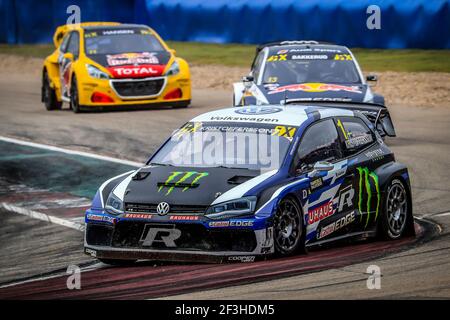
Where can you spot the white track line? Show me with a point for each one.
(42, 216)
(68, 151)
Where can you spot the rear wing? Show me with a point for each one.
(378, 114)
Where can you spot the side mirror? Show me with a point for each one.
(372, 78)
(384, 125)
(68, 56)
(321, 166)
(248, 81)
(173, 51)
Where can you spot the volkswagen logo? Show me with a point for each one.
(163, 208)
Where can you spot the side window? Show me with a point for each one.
(355, 133)
(319, 143)
(256, 68)
(63, 46)
(74, 44)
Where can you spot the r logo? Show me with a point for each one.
(346, 198)
(160, 235)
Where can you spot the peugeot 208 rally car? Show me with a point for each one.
(305, 71)
(239, 183)
(100, 65)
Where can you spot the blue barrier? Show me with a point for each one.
(404, 24)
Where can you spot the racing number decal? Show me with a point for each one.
(277, 57)
(340, 125)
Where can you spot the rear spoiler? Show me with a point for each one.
(378, 114)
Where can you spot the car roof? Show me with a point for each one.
(292, 115)
(300, 44)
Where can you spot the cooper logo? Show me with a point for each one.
(160, 236)
(242, 258)
(163, 208)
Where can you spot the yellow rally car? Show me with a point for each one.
(102, 65)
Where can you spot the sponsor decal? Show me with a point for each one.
(244, 119)
(116, 32)
(101, 218)
(358, 141)
(285, 131)
(241, 258)
(231, 223)
(277, 57)
(315, 87)
(323, 99)
(309, 57)
(375, 155)
(184, 218)
(320, 213)
(132, 58)
(182, 179)
(343, 57)
(160, 235)
(137, 216)
(335, 226)
(368, 184)
(142, 71)
(346, 196)
(258, 110)
(316, 183)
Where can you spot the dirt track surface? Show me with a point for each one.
(422, 143)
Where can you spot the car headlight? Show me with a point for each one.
(96, 73)
(233, 208)
(114, 205)
(174, 69)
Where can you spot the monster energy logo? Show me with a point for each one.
(182, 179)
(365, 178)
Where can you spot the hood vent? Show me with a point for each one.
(239, 179)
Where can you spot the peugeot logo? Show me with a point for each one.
(163, 208)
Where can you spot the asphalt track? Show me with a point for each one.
(35, 181)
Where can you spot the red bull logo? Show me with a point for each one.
(315, 87)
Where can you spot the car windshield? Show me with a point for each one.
(117, 41)
(229, 144)
(291, 67)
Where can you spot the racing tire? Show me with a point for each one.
(74, 98)
(289, 229)
(396, 219)
(117, 262)
(49, 95)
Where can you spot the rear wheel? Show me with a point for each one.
(396, 212)
(289, 232)
(49, 95)
(117, 262)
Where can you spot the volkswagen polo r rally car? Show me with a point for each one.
(101, 65)
(305, 71)
(240, 183)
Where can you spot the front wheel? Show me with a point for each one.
(396, 212)
(289, 232)
(74, 98)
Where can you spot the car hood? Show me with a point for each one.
(134, 64)
(275, 93)
(182, 186)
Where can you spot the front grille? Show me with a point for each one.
(129, 234)
(174, 209)
(138, 88)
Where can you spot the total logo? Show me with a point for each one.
(136, 71)
(315, 87)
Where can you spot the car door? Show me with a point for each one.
(65, 61)
(330, 194)
(363, 153)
